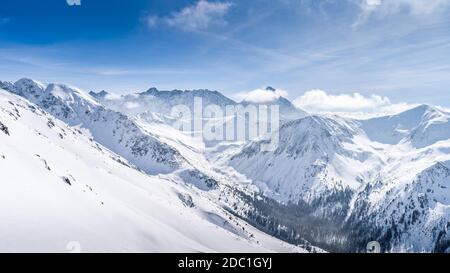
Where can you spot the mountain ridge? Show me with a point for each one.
(61, 190)
(363, 180)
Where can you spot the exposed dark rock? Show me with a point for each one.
(4, 129)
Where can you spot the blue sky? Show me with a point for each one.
(396, 49)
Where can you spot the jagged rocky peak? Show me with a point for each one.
(270, 88)
(8, 86)
(187, 94)
(153, 91)
(101, 94)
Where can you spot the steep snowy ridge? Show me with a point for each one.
(421, 126)
(410, 215)
(375, 166)
(112, 129)
(314, 154)
(62, 191)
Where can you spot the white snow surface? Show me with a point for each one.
(62, 191)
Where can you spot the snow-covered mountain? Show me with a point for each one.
(161, 102)
(63, 191)
(155, 106)
(335, 182)
(421, 126)
(312, 155)
(380, 179)
(114, 130)
(288, 111)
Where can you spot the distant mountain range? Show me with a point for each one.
(332, 183)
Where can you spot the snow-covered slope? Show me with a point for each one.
(315, 154)
(62, 191)
(421, 126)
(369, 175)
(407, 213)
(112, 129)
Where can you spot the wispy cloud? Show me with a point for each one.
(199, 16)
(350, 105)
(140, 72)
(382, 8)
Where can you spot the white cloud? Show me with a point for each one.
(261, 95)
(113, 97)
(128, 72)
(373, 2)
(131, 105)
(199, 16)
(352, 105)
(381, 8)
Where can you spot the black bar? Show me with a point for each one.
(290, 263)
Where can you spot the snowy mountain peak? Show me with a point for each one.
(183, 93)
(69, 94)
(26, 83)
(114, 130)
(433, 113)
(420, 112)
(25, 87)
(48, 94)
(288, 111)
(421, 108)
(421, 126)
(151, 91)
